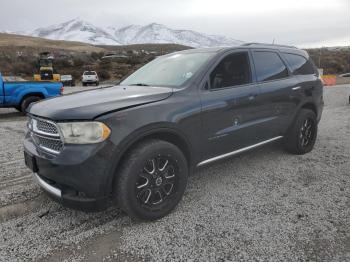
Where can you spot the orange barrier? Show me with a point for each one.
(329, 80)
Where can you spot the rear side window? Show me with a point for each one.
(299, 64)
(233, 70)
(269, 66)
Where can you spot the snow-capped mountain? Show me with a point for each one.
(82, 31)
(157, 33)
(8, 32)
(76, 30)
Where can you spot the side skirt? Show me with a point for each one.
(210, 160)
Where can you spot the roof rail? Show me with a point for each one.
(263, 44)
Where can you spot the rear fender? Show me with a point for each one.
(309, 104)
(26, 92)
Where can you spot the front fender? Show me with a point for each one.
(151, 131)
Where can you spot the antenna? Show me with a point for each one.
(273, 41)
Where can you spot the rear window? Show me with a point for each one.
(299, 64)
(90, 73)
(269, 66)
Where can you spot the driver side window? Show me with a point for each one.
(233, 70)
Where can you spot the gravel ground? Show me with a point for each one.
(264, 205)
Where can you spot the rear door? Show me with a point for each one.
(276, 100)
(309, 82)
(228, 106)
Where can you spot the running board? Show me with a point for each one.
(238, 151)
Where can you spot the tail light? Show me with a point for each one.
(61, 90)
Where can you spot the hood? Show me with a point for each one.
(88, 105)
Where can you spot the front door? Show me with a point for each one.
(228, 106)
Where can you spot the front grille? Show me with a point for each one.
(47, 127)
(49, 144)
(45, 135)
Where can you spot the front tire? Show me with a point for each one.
(152, 180)
(302, 135)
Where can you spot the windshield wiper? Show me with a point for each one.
(139, 84)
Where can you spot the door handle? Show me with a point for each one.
(296, 88)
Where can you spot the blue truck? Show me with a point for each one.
(20, 95)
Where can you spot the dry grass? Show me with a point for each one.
(9, 40)
(19, 54)
(161, 48)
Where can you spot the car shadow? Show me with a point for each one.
(13, 115)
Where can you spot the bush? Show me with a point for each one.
(22, 69)
(96, 56)
(78, 62)
(104, 75)
(105, 65)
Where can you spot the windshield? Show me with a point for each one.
(172, 70)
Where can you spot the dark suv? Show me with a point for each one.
(136, 143)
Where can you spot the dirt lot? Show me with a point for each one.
(265, 205)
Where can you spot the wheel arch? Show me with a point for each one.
(307, 105)
(311, 106)
(36, 94)
(170, 135)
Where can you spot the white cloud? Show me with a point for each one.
(297, 22)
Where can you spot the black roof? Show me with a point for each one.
(253, 44)
(284, 48)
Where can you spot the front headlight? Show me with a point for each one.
(84, 132)
(30, 124)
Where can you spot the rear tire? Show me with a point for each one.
(27, 101)
(152, 180)
(301, 137)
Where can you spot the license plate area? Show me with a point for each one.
(30, 162)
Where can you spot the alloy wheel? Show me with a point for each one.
(157, 181)
(307, 131)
